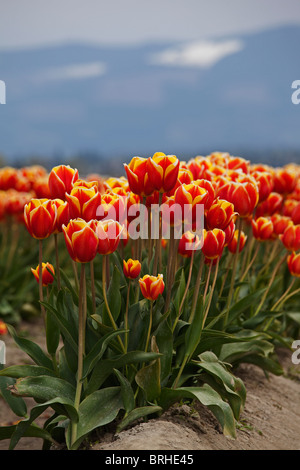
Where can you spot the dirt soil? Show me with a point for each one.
(270, 420)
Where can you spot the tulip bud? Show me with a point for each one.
(151, 286)
(220, 214)
(188, 243)
(62, 214)
(244, 196)
(213, 243)
(132, 268)
(61, 180)
(284, 181)
(280, 223)
(40, 218)
(109, 235)
(3, 328)
(232, 246)
(188, 196)
(296, 214)
(293, 262)
(229, 232)
(138, 176)
(272, 204)
(291, 237)
(163, 171)
(83, 202)
(262, 228)
(265, 183)
(47, 277)
(81, 240)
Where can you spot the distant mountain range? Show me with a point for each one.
(231, 94)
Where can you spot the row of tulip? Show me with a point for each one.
(152, 320)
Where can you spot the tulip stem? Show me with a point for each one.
(106, 301)
(235, 259)
(158, 240)
(126, 317)
(75, 274)
(41, 295)
(269, 285)
(92, 271)
(185, 292)
(283, 296)
(81, 346)
(207, 281)
(211, 292)
(170, 268)
(57, 260)
(150, 326)
(197, 289)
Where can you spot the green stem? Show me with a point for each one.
(126, 317)
(211, 293)
(185, 292)
(158, 240)
(180, 371)
(81, 347)
(106, 301)
(93, 290)
(197, 289)
(41, 295)
(283, 296)
(57, 260)
(269, 285)
(149, 327)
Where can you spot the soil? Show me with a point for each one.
(270, 420)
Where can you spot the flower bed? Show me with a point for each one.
(152, 289)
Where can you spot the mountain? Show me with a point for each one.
(231, 94)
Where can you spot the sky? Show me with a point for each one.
(36, 23)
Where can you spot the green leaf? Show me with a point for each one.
(193, 333)
(26, 371)
(126, 391)
(98, 409)
(52, 334)
(65, 326)
(138, 413)
(17, 404)
(208, 397)
(113, 297)
(6, 432)
(44, 388)
(148, 378)
(164, 339)
(98, 350)
(103, 369)
(32, 349)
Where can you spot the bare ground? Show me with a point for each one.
(270, 420)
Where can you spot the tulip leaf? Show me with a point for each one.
(26, 370)
(164, 339)
(148, 378)
(138, 413)
(17, 404)
(63, 324)
(126, 392)
(44, 388)
(98, 409)
(113, 297)
(6, 432)
(208, 397)
(97, 351)
(52, 334)
(32, 349)
(105, 368)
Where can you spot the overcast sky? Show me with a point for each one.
(34, 23)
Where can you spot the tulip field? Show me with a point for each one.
(152, 288)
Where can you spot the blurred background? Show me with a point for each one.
(93, 83)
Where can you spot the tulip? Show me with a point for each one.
(40, 218)
(113, 207)
(293, 262)
(138, 176)
(188, 244)
(113, 183)
(291, 237)
(163, 171)
(47, 277)
(41, 188)
(203, 183)
(131, 268)
(61, 181)
(269, 206)
(83, 202)
(188, 196)
(109, 234)
(81, 240)
(198, 166)
(8, 178)
(232, 246)
(289, 205)
(265, 183)
(296, 214)
(3, 328)
(220, 214)
(185, 176)
(280, 223)
(238, 163)
(229, 232)
(284, 181)
(243, 195)
(151, 286)
(62, 214)
(262, 228)
(213, 243)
